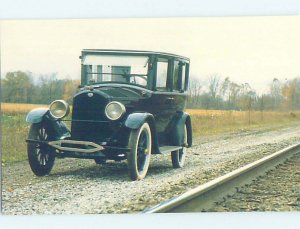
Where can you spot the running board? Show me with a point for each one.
(168, 149)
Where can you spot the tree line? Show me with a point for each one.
(20, 87)
(218, 93)
(215, 93)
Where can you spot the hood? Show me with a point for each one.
(120, 92)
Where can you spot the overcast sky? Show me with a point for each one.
(246, 49)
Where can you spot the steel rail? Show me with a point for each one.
(206, 195)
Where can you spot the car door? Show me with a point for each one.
(163, 104)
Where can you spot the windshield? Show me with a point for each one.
(121, 69)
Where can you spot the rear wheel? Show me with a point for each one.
(138, 158)
(178, 156)
(40, 156)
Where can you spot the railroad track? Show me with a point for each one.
(205, 196)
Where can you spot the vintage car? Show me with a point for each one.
(130, 105)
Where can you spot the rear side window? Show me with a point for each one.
(162, 75)
(179, 76)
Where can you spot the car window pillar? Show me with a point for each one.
(180, 87)
(170, 74)
(187, 70)
(83, 73)
(152, 69)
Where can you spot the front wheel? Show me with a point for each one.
(100, 161)
(40, 156)
(138, 158)
(178, 156)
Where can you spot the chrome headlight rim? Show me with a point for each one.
(66, 110)
(122, 107)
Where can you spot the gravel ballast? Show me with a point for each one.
(277, 190)
(81, 187)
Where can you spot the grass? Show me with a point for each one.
(14, 133)
(205, 122)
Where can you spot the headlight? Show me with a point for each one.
(59, 109)
(114, 110)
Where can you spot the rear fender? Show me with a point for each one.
(175, 130)
(136, 120)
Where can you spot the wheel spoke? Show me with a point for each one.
(47, 157)
(40, 134)
(43, 160)
(45, 136)
(141, 162)
(42, 152)
(39, 157)
(142, 140)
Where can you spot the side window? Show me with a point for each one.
(162, 75)
(93, 73)
(99, 73)
(179, 73)
(88, 72)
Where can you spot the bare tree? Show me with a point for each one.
(194, 93)
(276, 93)
(214, 81)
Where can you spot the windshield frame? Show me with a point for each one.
(85, 74)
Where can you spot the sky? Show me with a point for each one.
(252, 50)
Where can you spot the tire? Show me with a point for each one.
(41, 157)
(100, 161)
(178, 156)
(138, 158)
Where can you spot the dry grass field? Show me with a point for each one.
(205, 122)
(18, 108)
(218, 121)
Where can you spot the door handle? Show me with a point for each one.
(170, 100)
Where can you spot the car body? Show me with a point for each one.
(130, 106)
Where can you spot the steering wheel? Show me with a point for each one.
(142, 77)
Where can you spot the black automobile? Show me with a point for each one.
(130, 105)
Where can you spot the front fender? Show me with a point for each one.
(36, 115)
(57, 129)
(136, 120)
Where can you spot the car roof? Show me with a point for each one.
(133, 52)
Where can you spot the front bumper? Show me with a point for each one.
(82, 149)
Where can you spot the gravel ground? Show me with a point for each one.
(82, 187)
(278, 190)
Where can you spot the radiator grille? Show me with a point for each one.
(89, 122)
